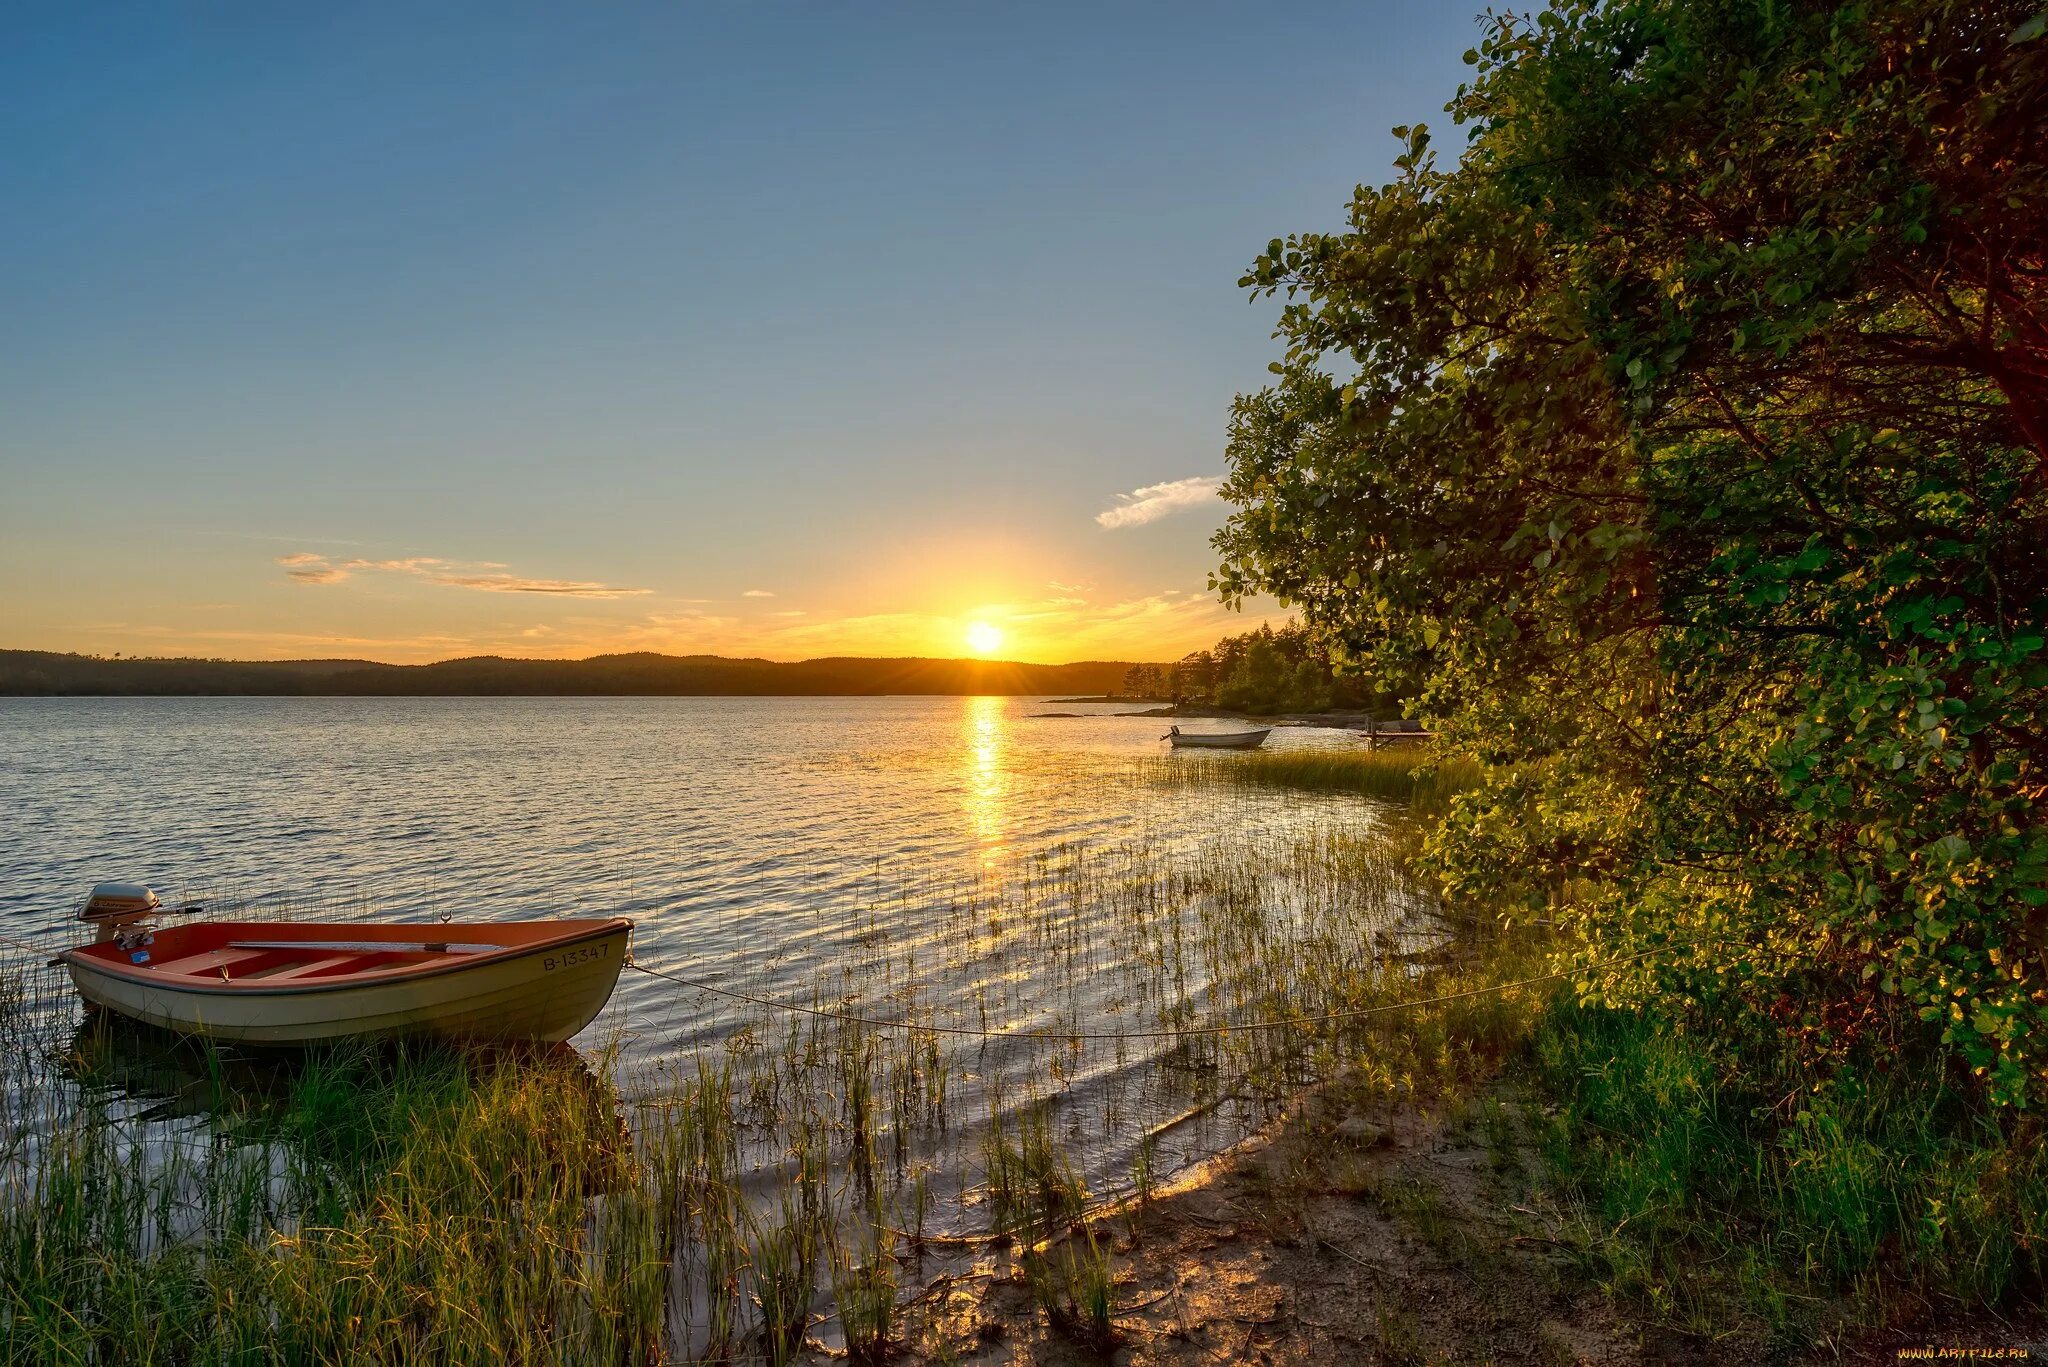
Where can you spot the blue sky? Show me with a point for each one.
(751, 328)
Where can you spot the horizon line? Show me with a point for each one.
(121, 658)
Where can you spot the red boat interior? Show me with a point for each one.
(276, 953)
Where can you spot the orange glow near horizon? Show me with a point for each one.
(949, 593)
(1153, 628)
(407, 616)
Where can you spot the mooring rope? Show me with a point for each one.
(1283, 1023)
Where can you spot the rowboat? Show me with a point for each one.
(1217, 740)
(297, 984)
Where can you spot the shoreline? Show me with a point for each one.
(1359, 1227)
(1418, 1192)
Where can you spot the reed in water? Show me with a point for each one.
(1409, 774)
(793, 1178)
(793, 1181)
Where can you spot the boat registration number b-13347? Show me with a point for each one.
(570, 957)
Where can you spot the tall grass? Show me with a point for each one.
(769, 1188)
(759, 1194)
(1720, 1182)
(1074, 1283)
(384, 1209)
(1413, 775)
(1718, 1179)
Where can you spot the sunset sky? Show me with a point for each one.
(695, 327)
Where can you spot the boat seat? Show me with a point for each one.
(206, 961)
(310, 966)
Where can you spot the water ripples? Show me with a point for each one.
(867, 851)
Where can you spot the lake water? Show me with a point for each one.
(956, 858)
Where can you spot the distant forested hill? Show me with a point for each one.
(35, 672)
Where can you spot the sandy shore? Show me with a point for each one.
(1357, 1230)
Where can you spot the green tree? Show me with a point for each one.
(1683, 444)
(1308, 687)
(1258, 682)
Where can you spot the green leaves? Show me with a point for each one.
(1675, 446)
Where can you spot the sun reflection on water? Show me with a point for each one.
(985, 772)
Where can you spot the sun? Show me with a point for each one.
(984, 639)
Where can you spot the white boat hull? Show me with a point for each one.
(1230, 740)
(543, 994)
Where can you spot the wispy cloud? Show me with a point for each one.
(483, 576)
(1155, 501)
(757, 593)
(309, 568)
(512, 583)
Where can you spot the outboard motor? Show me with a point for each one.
(124, 913)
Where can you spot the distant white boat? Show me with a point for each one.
(1217, 740)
